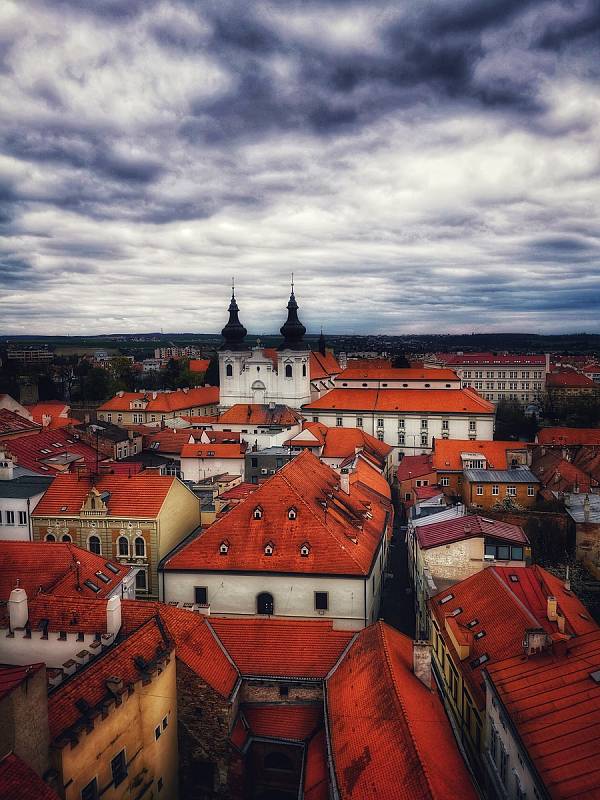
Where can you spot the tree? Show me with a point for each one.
(513, 423)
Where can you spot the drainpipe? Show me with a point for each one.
(29, 525)
(365, 599)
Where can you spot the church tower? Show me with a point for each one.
(293, 359)
(231, 355)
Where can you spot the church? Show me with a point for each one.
(260, 375)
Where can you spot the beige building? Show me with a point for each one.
(134, 520)
(139, 408)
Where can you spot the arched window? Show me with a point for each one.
(292, 513)
(304, 370)
(93, 502)
(288, 371)
(66, 538)
(257, 513)
(229, 370)
(94, 545)
(278, 761)
(123, 546)
(264, 603)
(50, 537)
(140, 546)
(140, 580)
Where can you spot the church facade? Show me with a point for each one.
(260, 375)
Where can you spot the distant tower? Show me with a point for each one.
(293, 359)
(231, 355)
(322, 344)
(234, 332)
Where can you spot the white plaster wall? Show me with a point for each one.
(376, 383)
(195, 469)
(250, 367)
(51, 651)
(17, 532)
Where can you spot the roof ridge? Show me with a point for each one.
(514, 597)
(386, 652)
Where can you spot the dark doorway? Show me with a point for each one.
(264, 603)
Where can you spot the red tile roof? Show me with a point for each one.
(451, 401)
(296, 722)
(379, 374)
(170, 401)
(11, 677)
(44, 452)
(559, 475)
(342, 442)
(427, 492)
(55, 568)
(555, 705)
(367, 476)
(337, 545)
(322, 366)
(569, 436)
(414, 466)
(383, 747)
(316, 776)
(60, 613)
(281, 648)
(569, 380)
(504, 609)
(57, 411)
(199, 364)
(223, 437)
(90, 683)
(169, 440)
(198, 421)
(11, 423)
(19, 782)
(492, 358)
(256, 414)
(467, 527)
(447, 452)
(140, 495)
(239, 492)
(312, 435)
(214, 450)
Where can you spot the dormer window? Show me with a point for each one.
(224, 548)
(269, 547)
(292, 513)
(305, 550)
(257, 513)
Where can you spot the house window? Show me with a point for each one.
(315, 419)
(201, 595)
(423, 440)
(90, 791)
(453, 682)
(472, 426)
(254, 462)
(503, 763)
(304, 370)
(165, 723)
(264, 603)
(229, 371)
(118, 766)
(140, 546)
(23, 516)
(359, 422)
(94, 545)
(401, 438)
(479, 489)
(401, 424)
(269, 547)
(495, 489)
(339, 422)
(444, 481)
(123, 546)
(445, 425)
(157, 732)
(493, 743)
(531, 491)
(511, 491)
(321, 601)
(380, 422)
(140, 580)
(424, 424)
(224, 548)
(288, 371)
(10, 517)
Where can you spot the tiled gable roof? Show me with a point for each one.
(446, 455)
(140, 495)
(467, 527)
(199, 364)
(281, 648)
(58, 613)
(11, 422)
(322, 366)
(164, 401)
(380, 721)
(379, 374)
(569, 436)
(414, 466)
(342, 442)
(498, 359)
(56, 568)
(256, 414)
(316, 774)
(11, 677)
(19, 782)
(296, 722)
(337, 544)
(214, 450)
(50, 451)
(451, 401)
(169, 441)
(570, 380)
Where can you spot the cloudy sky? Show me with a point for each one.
(420, 165)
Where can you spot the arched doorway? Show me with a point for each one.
(264, 603)
(258, 392)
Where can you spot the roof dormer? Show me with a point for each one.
(257, 513)
(292, 513)
(305, 549)
(269, 548)
(224, 547)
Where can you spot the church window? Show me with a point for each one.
(229, 371)
(257, 514)
(288, 370)
(66, 538)
(123, 546)
(140, 546)
(94, 544)
(50, 537)
(304, 370)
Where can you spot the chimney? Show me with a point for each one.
(345, 480)
(422, 661)
(113, 614)
(551, 609)
(535, 640)
(6, 467)
(18, 611)
(586, 509)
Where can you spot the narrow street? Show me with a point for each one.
(398, 607)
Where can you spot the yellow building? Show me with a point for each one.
(127, 408)
(135, 520)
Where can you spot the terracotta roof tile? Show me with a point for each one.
(570, 380)
(380, 374)
(323, 367)
(447, 452)
(214, 450)
(467, 527)
(55, 568)
(168, 441)
(342, 442)
(164, 401)
(414, 466)
(199, 364)
(70, 614)
(569, 436)
(316, 776)
(140, 495)
(11, 677)
(11, 423)
(492, 358)
(393, 728)
(58, 412)
(337, 545)
(50, 452)
(256, 414)
(19, 782)
(296, 722)
(281, 648)
(451, 401)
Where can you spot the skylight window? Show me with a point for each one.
(91, 585)
(456, 612)
(472, 623)
(56, 444)
(479, 635)
(477, 662)
(514, 578)
(595, 676)
(112, 568)
(104, 578)
(45, 450)
(446, 599)
(63, 508)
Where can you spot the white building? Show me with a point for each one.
(307, 543)
(18, 498)
(407, 419)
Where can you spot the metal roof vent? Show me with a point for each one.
(595, 676)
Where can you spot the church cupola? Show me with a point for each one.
(292, 330)
(234, 332)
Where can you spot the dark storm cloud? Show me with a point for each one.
(584, 25)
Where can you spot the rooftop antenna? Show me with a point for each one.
(232, 286)
(292, 283)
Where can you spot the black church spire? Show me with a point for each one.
(234, 332)
(292, 330)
